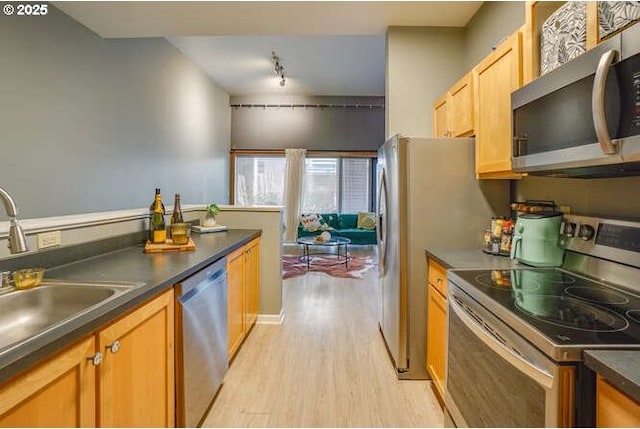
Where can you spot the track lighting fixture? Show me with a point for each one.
(278, 68)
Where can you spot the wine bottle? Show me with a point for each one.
(176, 217)
(153, 204)
(152, 208)
(157, 227)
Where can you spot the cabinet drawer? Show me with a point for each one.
(438, 277)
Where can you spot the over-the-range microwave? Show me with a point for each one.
(583, 118)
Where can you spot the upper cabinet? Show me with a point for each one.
(460, 102)
(494, 79)
(441, 117)
(453, 111)
(571, 29)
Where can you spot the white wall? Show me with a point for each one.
(90, 124)
(422, 62)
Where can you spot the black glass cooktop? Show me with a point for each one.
(567, 309)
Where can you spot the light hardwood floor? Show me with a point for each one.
(325, 366)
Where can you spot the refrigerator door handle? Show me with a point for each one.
(381, 218)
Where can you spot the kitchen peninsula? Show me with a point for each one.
(155, 276)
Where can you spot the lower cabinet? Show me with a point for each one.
(57, 393)
(252, 278)
(137, 372)
(235, 297)
(123, 376)
(437, 325)
(436, 338)
(614, 408)
(243, 272)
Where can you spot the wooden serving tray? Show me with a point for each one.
(168, 247)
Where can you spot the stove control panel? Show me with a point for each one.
(612, 239)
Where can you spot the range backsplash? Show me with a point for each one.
(615, 197)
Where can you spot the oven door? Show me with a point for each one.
(495, 378)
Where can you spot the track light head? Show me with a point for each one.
(278, 68)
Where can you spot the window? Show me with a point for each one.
(320, 185)
(331, 184)
(259, 180)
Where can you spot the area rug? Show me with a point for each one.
(358, 265)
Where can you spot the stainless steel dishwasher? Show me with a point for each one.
(201, 342)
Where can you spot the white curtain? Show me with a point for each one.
(293, 177)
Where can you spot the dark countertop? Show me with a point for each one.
(474, 258)
(620, 367)
(158, 272)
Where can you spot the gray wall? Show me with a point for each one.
(329, 128)
(494, 21)
(90, 124)
(422, 62)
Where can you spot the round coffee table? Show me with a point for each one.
(335, 241)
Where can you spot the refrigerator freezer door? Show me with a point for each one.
(393, 294)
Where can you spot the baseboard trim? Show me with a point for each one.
(271, 319)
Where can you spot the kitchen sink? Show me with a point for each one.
(26, 313)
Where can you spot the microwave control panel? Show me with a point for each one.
(628, 75)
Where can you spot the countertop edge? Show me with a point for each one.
(464, 259)
(28, 354)
(601, 362)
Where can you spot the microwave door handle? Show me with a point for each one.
(541, 377)
(597, 103)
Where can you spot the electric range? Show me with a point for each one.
(527, 327)
(558, 311)
(590, 302)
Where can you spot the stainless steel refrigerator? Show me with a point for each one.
(428, 197)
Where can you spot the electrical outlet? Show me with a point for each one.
(49, 239)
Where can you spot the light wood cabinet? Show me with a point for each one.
(453, 112)
(252, 278)
(437, 326)
(536, 12)
(59, 392)
(235, 299)
(243, 271)
(135, 377)
(460, 107)
(494, 79)
(437, 277)
(137, 372)
(441, 117)
(614, 408)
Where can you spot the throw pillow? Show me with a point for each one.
(366, 220)
(313, 222)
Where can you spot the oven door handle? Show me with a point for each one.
(541, 377)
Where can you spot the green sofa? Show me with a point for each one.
(343, 225)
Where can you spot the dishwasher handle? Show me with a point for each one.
(217, 277)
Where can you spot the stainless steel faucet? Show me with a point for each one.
(17, 239)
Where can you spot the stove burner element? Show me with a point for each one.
(634, 315)
(564, 278)
(571, 313)
(601, 296)
(502, 279)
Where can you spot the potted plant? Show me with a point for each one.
(209, 218)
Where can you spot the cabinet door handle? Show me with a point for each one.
(114, 347)
(96, 359)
